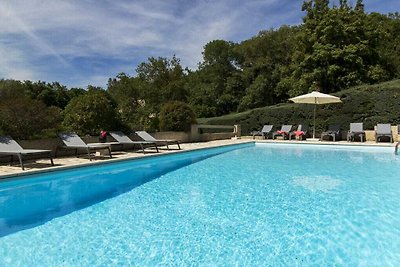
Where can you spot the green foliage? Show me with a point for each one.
(53, 94)
(337, 48)
(23, 118)
(88, 113)
(217, 87)
(387, 39)
(370, 104)
(10, 89)
(265, 61)
(176, 116)
(130, 93)
(165, 80)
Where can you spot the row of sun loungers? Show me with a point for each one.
(333, 132)
(286, 132)
(9, 147)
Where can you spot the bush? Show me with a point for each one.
(176, 116)
(23, 118)
(88, 113)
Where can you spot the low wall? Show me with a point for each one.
(182, 136)
(196, 134)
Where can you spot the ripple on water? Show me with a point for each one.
(317, 183)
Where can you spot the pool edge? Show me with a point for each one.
(25, 174)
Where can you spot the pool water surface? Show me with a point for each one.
(260, 205)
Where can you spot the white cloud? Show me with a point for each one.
(13, 64)
(45, 39)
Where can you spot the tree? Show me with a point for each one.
(176, 116)
(129, 94)
(165, 79)
(216, 87)
(384, 32)
(335, 49)
(88, 113)
(23, 118)
(10, 89)
(52, 94)
(265, 61)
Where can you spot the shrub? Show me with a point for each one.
(23, 118)
(88, 113)
(176, 116)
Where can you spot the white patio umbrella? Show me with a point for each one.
(315, 98)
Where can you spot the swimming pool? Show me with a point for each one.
(263, 204)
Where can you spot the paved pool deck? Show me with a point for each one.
(42, 165)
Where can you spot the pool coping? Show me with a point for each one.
(27, 173)
(337, 143)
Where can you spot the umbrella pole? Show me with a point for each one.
(315, 109)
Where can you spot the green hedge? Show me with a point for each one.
(370, 104)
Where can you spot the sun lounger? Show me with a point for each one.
(383, 130)
(147, 137)
(73, 141)
(10, 147)
(265, 131)
(356, 129)
(333, 131)
(123, 139)
(300, 132)
(284, 132)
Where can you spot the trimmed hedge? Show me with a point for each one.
(370, 104)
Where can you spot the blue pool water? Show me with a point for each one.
(264, 204)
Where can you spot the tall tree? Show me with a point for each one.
(335, 50)
(128, 92)
(218, 87)
(265, 61)
(165, 78)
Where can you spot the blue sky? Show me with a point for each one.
(82, 42)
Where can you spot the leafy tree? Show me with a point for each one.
(265, 61)
(10, 89)
(73, 92)
(88, 113)
(165, 79)
(335, 50)
(128, 92)
(176, 116)
(158, 81)
(52, 94)
(386, 36)
(216, 87)
(23, 118)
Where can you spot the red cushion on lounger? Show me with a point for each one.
(281, 132)
(299, 133)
